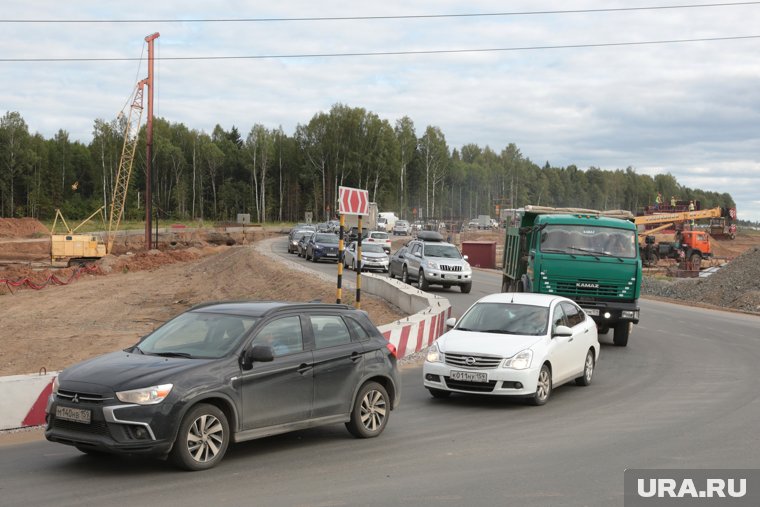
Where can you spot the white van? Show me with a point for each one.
(389, 217)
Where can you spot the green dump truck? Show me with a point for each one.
(589, 256)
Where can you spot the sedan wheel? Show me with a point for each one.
(404, 275)
(202, 439)
(371, 411)
(543, 387)
(588, 370)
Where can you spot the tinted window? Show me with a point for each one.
(283, 335)
(329, 330)
(357, 330)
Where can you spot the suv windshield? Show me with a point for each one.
(445, 251)
(197, 334)
(588, 240)
(330, 239)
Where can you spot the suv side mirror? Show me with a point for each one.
(417, 254)
(257, 353)
(466, 257)
(562, 331)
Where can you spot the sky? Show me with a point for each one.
(585, 88)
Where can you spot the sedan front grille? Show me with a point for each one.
(445, 267)
(470, 361)
(475, 387)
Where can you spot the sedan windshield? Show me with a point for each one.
(197, 334)
(372, 248)
(505, 318)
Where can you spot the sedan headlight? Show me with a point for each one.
(519, 361)
(146, 395)
(434, 355)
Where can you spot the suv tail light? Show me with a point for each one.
(392, 349)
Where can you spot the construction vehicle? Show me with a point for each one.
(70, 247)
(588, 256)
(689, 245)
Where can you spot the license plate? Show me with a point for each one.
(331, 255)
(591, 311)
(79, 415)
(469, 376)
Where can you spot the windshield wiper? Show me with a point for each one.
(557, 250)
(135, 349)
(172, 354)
(498, 331)
(592, 253)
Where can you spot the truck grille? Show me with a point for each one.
(588, 288)
(445, 267)
(480, 362)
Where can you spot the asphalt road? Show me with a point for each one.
(681, 395)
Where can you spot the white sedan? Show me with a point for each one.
(513, 344)
(373, 257)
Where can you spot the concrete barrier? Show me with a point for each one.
(23, 397)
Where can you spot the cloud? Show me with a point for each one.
(691, 109)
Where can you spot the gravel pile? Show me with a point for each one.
(735, 286)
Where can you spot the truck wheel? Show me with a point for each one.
(505, 286)
(622, 330)
(422, 281)
(696, 260)
(520, 287)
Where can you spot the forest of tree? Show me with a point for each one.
(275, 176)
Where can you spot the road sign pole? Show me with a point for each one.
(359, 265)
(340, 259)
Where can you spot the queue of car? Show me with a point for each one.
(227, 372)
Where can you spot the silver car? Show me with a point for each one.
(373, 257)
(431, 261)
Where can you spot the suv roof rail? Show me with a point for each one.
(429, 236)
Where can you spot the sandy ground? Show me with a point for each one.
(61, 325)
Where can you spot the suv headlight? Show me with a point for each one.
(434, 355)
(519, 361)
(145, 396)
(432, 265)
(56, 385)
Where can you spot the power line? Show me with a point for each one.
(391, 53)
(366, 18)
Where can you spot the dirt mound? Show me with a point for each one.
(22, 228)
(736, 286)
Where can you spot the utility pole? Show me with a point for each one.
(149, 145)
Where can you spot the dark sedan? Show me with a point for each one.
(228, 372)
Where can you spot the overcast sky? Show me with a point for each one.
(691, 109)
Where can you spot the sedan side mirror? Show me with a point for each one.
(451, 322)
(257, 353)
(562, 331)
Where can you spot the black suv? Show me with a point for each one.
(228, 372)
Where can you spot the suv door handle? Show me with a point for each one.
(303, 368)
(356, 357)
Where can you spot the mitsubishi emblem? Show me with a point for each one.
(75, 399)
